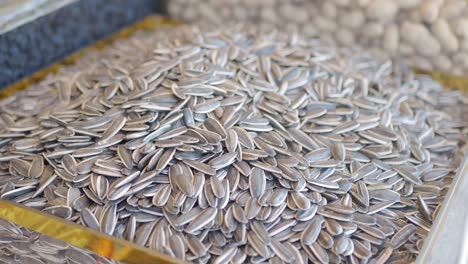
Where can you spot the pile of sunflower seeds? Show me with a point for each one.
(21, 245)
(237, 145)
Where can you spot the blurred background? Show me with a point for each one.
(426, 34)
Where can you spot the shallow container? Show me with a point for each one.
(446, 241)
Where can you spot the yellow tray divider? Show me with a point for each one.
(80, 236)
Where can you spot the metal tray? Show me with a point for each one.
(447, 242)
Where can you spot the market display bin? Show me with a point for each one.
(104, 246)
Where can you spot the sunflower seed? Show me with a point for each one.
(303, 139)
(125, 157)
(257, 182)
(282, 251)
(223, 161)
(205, 217)
(312, 231)
(434, 174)
(69, 164)
(88, 219)
(37, 167)
(199, 166)
(261, 231)
(114, 127)
(231, 140)
(257, 244)
(206, 107)
(408, 175)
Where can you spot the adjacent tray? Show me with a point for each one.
(34, 34)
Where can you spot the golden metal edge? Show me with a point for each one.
(80, 236)
(447, 80)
